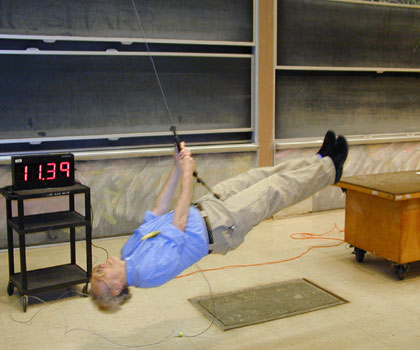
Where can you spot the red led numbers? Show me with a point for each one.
(25, 175)
(41, 171)
(65, 168)
(51, 171)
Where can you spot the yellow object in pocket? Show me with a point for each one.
(150, 235)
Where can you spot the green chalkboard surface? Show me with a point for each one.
(218, 20)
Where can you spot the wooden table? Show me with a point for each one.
(383, 216)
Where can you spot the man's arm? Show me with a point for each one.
(164, 199)
(184, 200)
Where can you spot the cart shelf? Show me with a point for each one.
(34, 281)
(58, 276)
(49, 221)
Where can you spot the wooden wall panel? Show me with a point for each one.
(266, 81)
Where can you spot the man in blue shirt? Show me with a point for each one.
(168, 242)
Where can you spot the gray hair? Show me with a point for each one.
(106, 301)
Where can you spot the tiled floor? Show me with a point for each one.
(382, 313)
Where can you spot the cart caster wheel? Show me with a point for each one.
(401, 270)
(10, 288)
(360, 254)
(85, 290)
(25, 301)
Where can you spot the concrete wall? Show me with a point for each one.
(121, 191)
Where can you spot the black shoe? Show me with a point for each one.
(339, 155)
(328, 144)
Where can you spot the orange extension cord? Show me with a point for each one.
(299, 235)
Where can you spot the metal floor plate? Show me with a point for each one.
(260, 304)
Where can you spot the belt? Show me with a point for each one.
(206, 221)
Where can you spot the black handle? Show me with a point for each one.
(195, 174)
(178, 145)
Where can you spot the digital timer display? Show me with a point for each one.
(39, 171)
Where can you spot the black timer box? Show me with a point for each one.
(42, 170)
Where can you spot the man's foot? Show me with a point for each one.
(339, 155)
(328, 144)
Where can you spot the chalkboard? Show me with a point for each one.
(308, 103)
(331, 33)
(218, 20)
(65, 95)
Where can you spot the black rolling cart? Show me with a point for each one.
(34, 281)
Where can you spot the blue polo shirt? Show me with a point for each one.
(156, 260)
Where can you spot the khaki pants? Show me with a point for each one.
(251, 197)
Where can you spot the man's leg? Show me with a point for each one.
(238, 183)
(278, 191)
(233, 185)
(234, 217)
